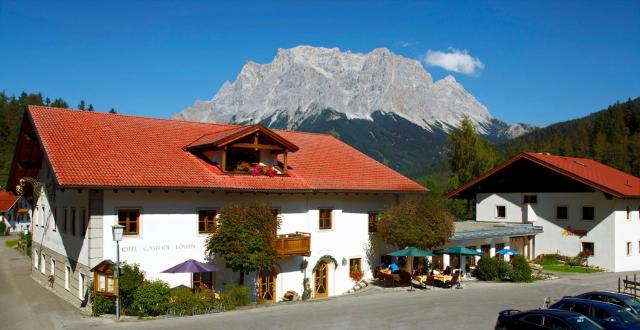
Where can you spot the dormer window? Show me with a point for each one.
(246, 150)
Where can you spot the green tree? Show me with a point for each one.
(59, 103)
(131, 278)
(245, 238)
(469, 155)
(81, 105)
(423, 223)
(113, 111)
(90, 108)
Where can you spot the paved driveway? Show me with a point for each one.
(26, 305)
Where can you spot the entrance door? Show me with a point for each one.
(321, 280)
(267, 286)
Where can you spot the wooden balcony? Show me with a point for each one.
(298, 244)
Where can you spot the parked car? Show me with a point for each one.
(621, 299)
(609, 316)
(544, 319)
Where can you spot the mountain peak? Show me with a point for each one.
(302, 80)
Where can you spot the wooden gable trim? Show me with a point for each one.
(227, 140)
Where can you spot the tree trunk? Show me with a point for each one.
(241, 281)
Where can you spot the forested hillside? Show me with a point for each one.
(611, 136)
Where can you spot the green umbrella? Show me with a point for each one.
(460, 251)
(411, 252)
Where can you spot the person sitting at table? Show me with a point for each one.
(447, 271)
(435, 272)
(393, 267)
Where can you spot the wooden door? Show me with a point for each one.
(321, 280)
(267, 286)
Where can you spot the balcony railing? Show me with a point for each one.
(298, 244)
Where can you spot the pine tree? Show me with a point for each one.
(469, 155)
(81, 105)
(59, 103)
(113, 111)
(90, 107)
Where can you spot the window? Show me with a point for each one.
(373, 222)
(207, 221)
(588, 248)
(54, 224)
(202, 280)
(562, 212)
(235, 157)
(501, 211)
(579, 308)
(52, 271)
(325, 219)
(530, 199)
(83, 221)
(628, 213)
(81, 286)
(35, 259)
(73, 220)
(43, 219)
(43, 264)
(130, 219)
(355, 264)
(65, 225)
(588, 213)
(533, 319)
(551, 322)
(629, 248)
(67, 274)
(638, 246)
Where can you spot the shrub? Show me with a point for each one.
(151, 298)
(183, 301)
(521, 270)
(102, 305)
(503, 270)
(131, 278)
(487, 269)
(3, 227)
(238, 295)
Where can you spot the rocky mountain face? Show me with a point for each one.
(384, 104)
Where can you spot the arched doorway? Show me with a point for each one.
(267, 285)
(321, 280)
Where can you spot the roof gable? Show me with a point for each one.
(227, 137)
(585, 171)
(7, 200)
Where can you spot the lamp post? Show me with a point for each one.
(117, 231)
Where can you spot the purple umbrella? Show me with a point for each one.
(191, 266)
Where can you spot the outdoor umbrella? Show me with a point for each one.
(191, 266)
(507, 251)
(460, 251)
(411, 252)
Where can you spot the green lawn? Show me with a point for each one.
(11, 243)
(569, 269)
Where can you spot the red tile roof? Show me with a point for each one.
(590, 172)
(7, 199)
(89, 149)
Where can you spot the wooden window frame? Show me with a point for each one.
(567, 212)
(127, 222)
(373, 224)
(594, 212)
(207, 223)
(498, 213)
(593, 251)
(359, 264)
(324, 223)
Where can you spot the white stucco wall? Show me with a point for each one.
(169, 233)
(609, 231)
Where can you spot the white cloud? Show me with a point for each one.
(455, 60)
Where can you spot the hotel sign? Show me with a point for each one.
(157, 248)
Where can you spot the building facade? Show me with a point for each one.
(14, 212)
(580, 204)
(168, 183)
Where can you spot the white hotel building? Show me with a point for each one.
(166, 181)
(579, 205)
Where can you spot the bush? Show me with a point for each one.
(3, 228)
(151, 298)
(521, 270)
(487, 269)
(131, 278)
(103, 305)
(237, 295)
(183, 301)
(503, 270)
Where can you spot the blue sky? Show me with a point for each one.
(543, 61)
